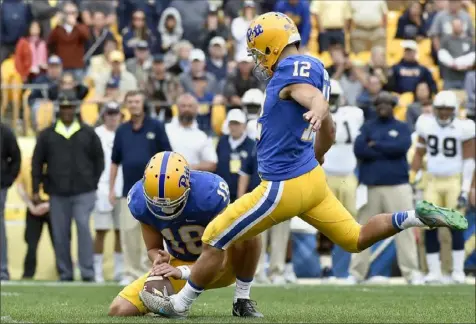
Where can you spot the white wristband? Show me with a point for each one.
(185, 272)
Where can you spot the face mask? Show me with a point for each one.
(186, 118)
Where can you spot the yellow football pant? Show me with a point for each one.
(273, 202)
(224, 278)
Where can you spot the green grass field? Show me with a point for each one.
(291, 304)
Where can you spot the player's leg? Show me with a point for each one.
(127, 302)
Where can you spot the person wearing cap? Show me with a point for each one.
(127, 81)
(217, 58)
(177, 60)
(141, 63)
(100, 64)
(381, 147)
(106, 216)
(197, 69)
(161, 85)
(242, 79)
(71, 153)
(239, 26)
(405, 75)
(299, 12)
(214, 27)
(68, 83)
(170, 28)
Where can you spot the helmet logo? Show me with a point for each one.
(254, 32)
(185, 178)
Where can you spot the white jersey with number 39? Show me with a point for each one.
(340, 159)
(444, 145)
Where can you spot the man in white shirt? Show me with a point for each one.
(106, 216)
(187, 139)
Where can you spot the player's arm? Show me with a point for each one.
(417, 161)
(154, 242)
(311, 98)
(468, 171)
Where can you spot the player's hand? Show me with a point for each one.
(162, 257)
(166, 270)
(462, 200)
(314, 119)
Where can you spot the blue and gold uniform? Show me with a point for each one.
(206, 196)
(293, 184)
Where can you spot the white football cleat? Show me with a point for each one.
(289, 275)
(433, 278)
(458, 277)
(278, 280)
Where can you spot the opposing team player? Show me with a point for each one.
(174, 204)
(340, 164)
(293, 183)
(448, 143)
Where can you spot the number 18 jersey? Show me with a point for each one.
(285, 143)
(444, 145)
(209, 195)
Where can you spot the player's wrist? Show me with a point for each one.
(185, 271)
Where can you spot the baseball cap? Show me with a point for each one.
(218, 40)
(143, 45)
(410, 44)
(54, 59)
(249, 3)
(111, 107)
(116, 56)
(244, 57)
(197, 55)
(236, 115)
(112, 83)
(158, 58)
(212, 9)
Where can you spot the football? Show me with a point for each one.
(159, 285)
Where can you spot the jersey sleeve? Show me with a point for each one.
(136, 202)
(420, 126)
(468, 130)
(303, 69)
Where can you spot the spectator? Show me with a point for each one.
(204, 98)
(298, 11)
(411, 24)
(134, 144)
(177, 61)
(52, 77)
(68, 83)
(136, 32)
(239, 26)
(187, 139)
(99, 33)
(10, 160)
(31, 53)
(405, 76)
(100, 64)
(162, 86)
(240, 80)
(366, 99)
(197, 69)
(193, 15)
(111, 93)
(170, 28)
(127, 81)
(37, 215)
(68, 40)
(15, 17)
(214, 27)
(90, 7)
(348, 75)
(382, 148)
(378, 64)
(152, 10)
(106, 216)
(232, 149)
(233, 9)
(251, 102)
(422, 97)
(470, 87)
(332, 20)
(72, 154)
(369, 20)
(456, 56)
(140, 64)
(442, 23)
(217, 59)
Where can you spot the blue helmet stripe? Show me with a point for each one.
(163, 169)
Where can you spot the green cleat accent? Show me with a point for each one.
(435, 216)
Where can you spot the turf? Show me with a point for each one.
(291, 304)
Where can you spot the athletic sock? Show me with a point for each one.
(185, 298)
(326, 261)
(434, 264)
(406, 219)
(242, 289)
(458, 261)
(98, 270)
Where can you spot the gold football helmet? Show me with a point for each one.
(267, 36)
(166, 185)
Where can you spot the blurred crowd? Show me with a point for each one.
(105, 84)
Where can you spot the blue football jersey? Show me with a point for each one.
(208, 196)
(285, 139)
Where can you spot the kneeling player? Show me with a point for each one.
(174, 204)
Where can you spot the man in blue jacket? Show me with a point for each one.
(299, 12)
(381, 149)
